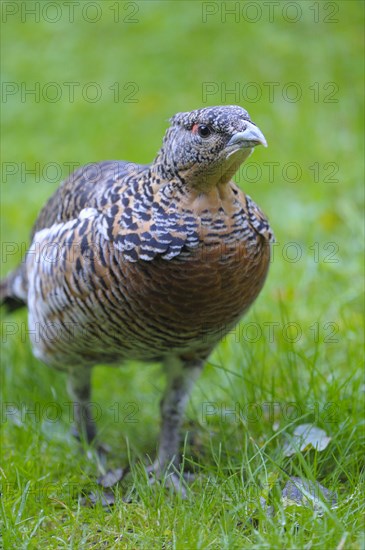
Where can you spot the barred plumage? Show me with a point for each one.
(149, 262)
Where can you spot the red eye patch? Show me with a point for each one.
(202, 130)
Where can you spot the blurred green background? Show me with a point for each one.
(297, 68)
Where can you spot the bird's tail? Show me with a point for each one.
(13, 291)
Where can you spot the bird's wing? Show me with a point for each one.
(142, 228)
(132, 215)
(91, 186)
(258, 220)
(85, 194)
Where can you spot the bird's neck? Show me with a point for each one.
(197, 199)
(197, 179)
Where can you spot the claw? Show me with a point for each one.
(170, 478)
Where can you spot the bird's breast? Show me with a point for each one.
(188, 303)
(205, 289)
(100, 308)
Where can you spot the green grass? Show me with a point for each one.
(298, 355)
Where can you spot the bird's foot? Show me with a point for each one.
(170, 477)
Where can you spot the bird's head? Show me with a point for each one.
(204, 148)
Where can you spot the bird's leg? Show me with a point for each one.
(180, 380)
(79, 389)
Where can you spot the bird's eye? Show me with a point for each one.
(202, 130)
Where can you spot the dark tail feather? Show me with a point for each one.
(8, 296)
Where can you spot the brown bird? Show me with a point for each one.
(147, 262)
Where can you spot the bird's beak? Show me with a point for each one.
(249, 138)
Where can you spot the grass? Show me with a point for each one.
(296, 358)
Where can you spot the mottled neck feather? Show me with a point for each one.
(199, 178)
(177, 194)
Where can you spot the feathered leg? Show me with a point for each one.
(79, 389)
(181, 377)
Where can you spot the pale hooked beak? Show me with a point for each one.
(250, 137)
